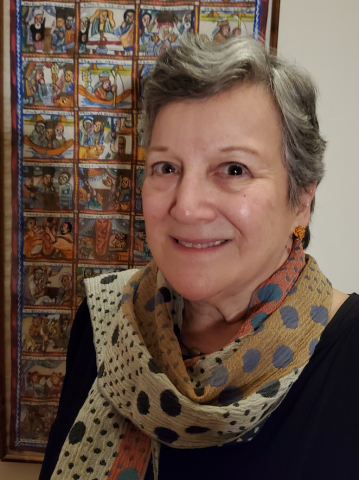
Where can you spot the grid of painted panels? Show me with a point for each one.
(80, 70)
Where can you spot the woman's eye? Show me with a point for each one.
(235, 169)
(163, 168)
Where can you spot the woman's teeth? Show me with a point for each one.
(201, 245)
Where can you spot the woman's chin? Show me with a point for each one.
(194, 291)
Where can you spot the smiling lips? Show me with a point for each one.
(200, 245)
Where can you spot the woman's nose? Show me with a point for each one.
(194, 201)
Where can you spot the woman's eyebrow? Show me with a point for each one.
(238, 148)
(158, 149)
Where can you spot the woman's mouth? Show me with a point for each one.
(200, 244)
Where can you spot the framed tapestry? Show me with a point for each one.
(76, 166)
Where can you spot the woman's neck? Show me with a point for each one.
(209, 326)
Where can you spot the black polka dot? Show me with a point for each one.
(270, 389)
(166, 435)
(226, 415)
(59, 472)
(67, 454)
(102, 462)
(108, 279)
(83, 458)
(229, 395)
(103, 432)
(97, 450)
(71, 465)
(115, 335)
(143, 403)
(97, 421)
(110, 444)
(101, 370)
(169, 403)
(152, 365)
(195, 429)
(77, 433)
(199, 391)
(89, 439)
(89, 470)
(76, 476)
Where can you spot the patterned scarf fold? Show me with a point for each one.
(145, 394)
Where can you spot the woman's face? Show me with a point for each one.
(216, 175)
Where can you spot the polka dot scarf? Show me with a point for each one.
(145, 394)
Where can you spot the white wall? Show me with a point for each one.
(322, 36)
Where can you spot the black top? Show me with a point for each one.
(312, 435)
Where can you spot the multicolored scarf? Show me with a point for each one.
(146, 394)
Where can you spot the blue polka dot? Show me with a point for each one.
(250, 360)
(310, 288)
(270, 293)
(307, 277)
(258, 319)
(319, 291)
(289, 316)
(219, 377)
(125, 297)
(150, 305)
(128, 474)
(282, 357)
(295, 269)
(134, 285)
(287, 278)
(312, 346)
(319, 314)
(259, 329)
(293, 290)
(291, 259)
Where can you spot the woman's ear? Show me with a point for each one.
(303, 208)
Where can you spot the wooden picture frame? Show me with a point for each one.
(7, 239)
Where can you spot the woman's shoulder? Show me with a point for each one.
(339, 298)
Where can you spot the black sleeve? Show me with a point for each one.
(80, 374)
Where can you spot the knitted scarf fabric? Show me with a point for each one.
(146, 394)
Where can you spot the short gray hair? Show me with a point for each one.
(200, 69)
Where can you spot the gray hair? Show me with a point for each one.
(200, 69)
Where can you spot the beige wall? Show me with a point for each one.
(322, 37)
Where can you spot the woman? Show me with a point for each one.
(231, 337)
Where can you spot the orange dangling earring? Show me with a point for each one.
(299, 232)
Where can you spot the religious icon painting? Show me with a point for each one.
(35, 422)
(144, 70)
(161, 27)
(48, 135)
(48, 237)
(105, 83)
(48, 82)
(105, 189)
(141, 151)
(105, 136)
(221, 23)
(104, 238)
(45, 332)
(47, 186)
(47, 284)
(140, 177)
(106, 29)
(41, 378)
(142, 253)
(48, 28)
